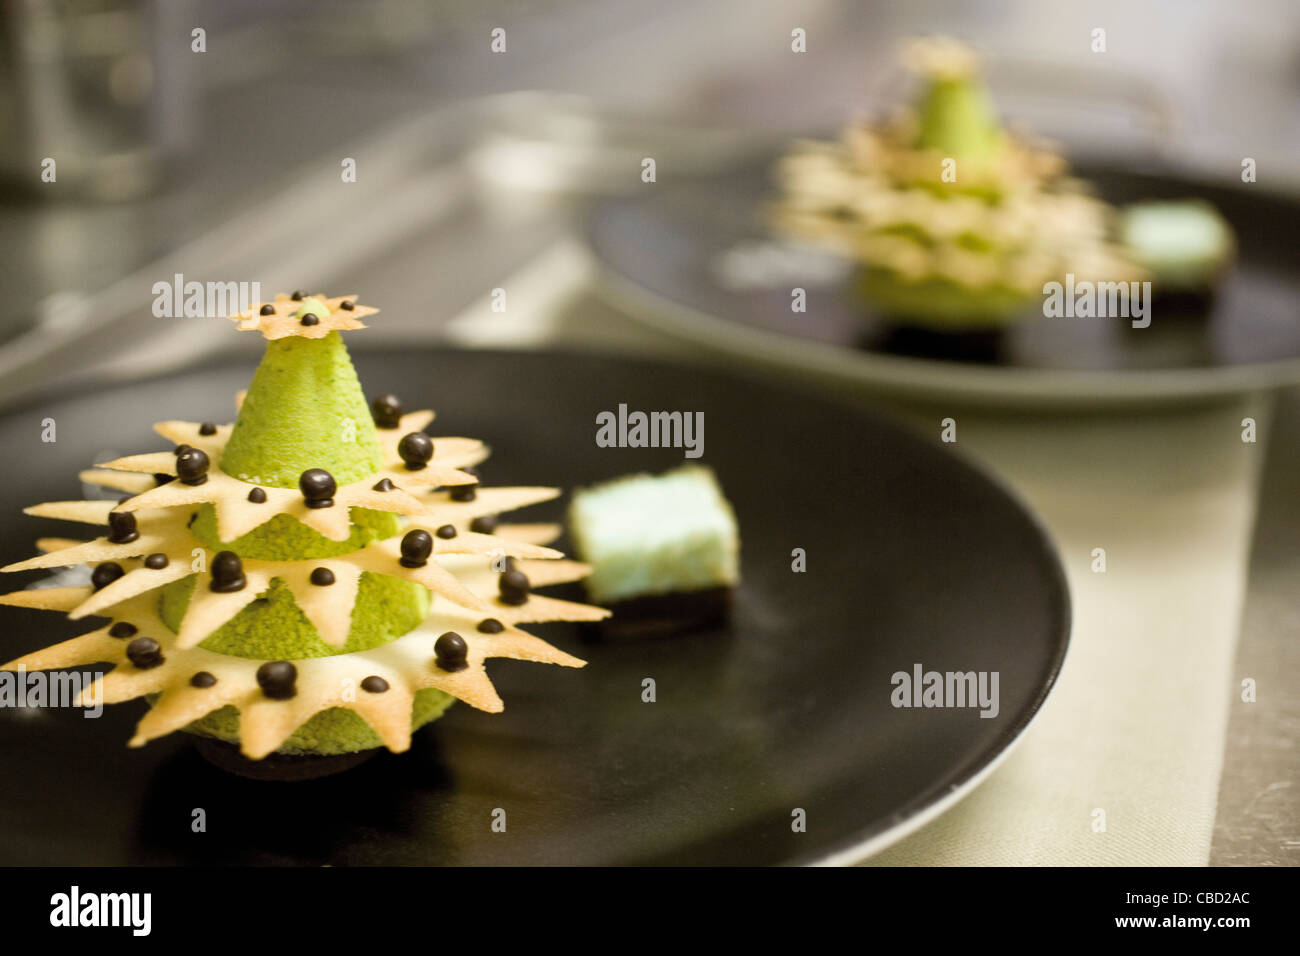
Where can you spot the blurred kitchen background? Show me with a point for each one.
(225, 164)
(474, 169)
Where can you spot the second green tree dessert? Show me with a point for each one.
(955, 224)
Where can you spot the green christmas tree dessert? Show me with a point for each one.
(955, 223)
(320, 578)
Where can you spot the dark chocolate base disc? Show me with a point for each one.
(977, 345)
(274, 766)
(662, 615)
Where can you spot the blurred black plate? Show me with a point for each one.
(913, 556)
(660, 258)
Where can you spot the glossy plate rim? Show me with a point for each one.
(929, 807)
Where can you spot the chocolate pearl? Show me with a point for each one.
(192, 467)
(297, 295)
(374, 685)
(207, 428)
(227, 573)
(121, 527)
(123, 629)
(318, 487)
(383, 484)
(490, 625)
(347, 306)
(464, 492)
(182, 449)
(451, 651)
(156, 561)
(446, 531)
(105, 574)
(277, 678)
(267, 309)
(257, 496)
(144, 653)
(387, 411)
(416, 449)
(161, 478)
(417, 545)
(513, 586)
(322, 577)
(484, 524)
(202, 679)
(309, 319)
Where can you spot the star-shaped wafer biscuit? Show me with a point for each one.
(188, 681)
(282, 317)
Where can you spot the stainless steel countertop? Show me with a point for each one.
(1258, 820)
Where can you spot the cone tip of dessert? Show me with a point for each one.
(940, 58)
(305, 316)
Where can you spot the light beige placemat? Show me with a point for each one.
(1133, 733)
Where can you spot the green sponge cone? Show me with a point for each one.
(273, 627)
(285, 538)
(305, 409)
(334, 731)
(957, 118)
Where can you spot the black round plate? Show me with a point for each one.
(661, 254)
(912, 557)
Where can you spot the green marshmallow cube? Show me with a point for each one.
(652, 535)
